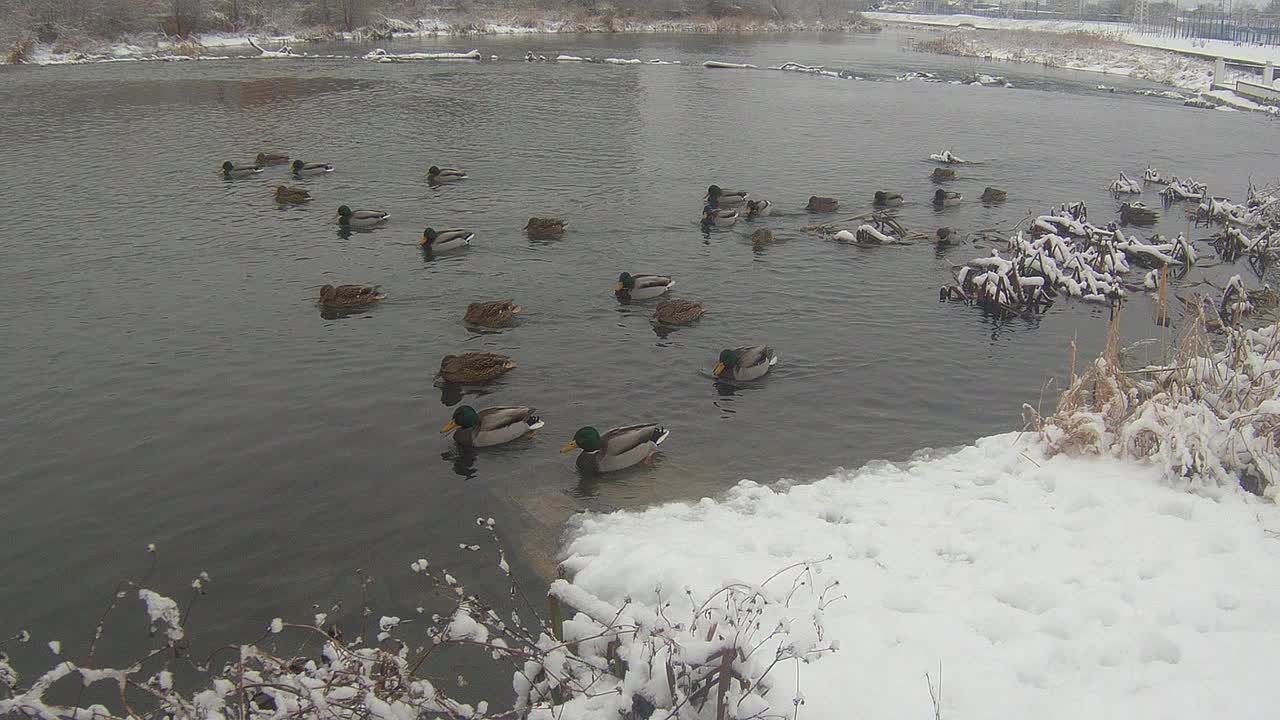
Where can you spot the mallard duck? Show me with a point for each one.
(943, 174)
(745, 363)
(305, 168)
(360, 218)
(720, 217)
(887, 199)
(350, 295)
(817, 203)
(445, 240)
(1137, 214)
(291, 195)
(500, 313)
(943, 237)
(761, 237)
(232, 170)
(544, 228)
(944, 198)
(993, 195)
(719, 197)
(758, 208)
(642, 286)
(265, 158)
(473, 367)
(618, 448)
(491, 426)
(440, 176)
(678, 312)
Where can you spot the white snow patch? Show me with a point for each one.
(1039, 583)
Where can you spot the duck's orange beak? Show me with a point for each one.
(573, 445)
(618, 287)
(424, 242)
(719, 369)
(450, 427)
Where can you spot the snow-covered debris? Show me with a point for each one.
(1123, 185)
(164, 614)
(948, 157)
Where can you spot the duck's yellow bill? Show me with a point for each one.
(618, 286)
(573, 445)
(450, 427)
(424, 242)
(719, 369)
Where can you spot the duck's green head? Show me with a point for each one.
(586, 439)
(344, 211)
(625, 282)
(433, 170)
(464, 417)
(940, 196)
(298, 165)
(228, 166)
(714, 192)
(728, 359)
(428, 237)
(880, 197)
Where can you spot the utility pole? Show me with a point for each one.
(1141, 14)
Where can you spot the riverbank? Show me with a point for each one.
(273, 39)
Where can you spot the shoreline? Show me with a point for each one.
(161, 47)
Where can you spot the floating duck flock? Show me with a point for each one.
(1061, 253)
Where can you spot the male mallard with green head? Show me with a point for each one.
(944, 198)
(438, 241)
(641, 286)
(678, 312)
(719, 197)
(887, 199)
(745, 363)
(618, 448)
(500, 313)
(232, 170)
(360, 218)
(286, 195)
(491, 426)
(300, 168)
(350, 295)
(544, 228)
(473, 368)
(720, 217)
(440, 176)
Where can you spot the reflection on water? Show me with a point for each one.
(141, 410)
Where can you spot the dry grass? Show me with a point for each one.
(20, 53)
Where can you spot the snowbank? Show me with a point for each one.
(1048, 587)
(1122, 32)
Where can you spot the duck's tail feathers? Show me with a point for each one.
(535, 422)
(773, 361)
(662, 435)
(671, 284)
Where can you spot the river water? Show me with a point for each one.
(167, 377)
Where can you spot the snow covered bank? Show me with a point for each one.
(1123, 32)
(1048, 587)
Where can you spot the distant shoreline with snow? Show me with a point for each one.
(161, 47)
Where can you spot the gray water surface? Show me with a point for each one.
(168, 378)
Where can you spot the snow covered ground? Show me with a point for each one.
(1044, 587)
(1123, 32)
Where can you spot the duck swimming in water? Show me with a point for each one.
(887, 199)
(499, 313)
(745, 363)
(719, 197)
(305, 168)
(678, 312)
(642, 286)
(438, 241)
(818, 203)
(618, 448)
(473, 368)
(720, 217)
(491, 426)
(350, 295)
(943, 198)
(992, 195)
(440, 176)
(360, 218)
(265, 158)
(758, 208)
(286, 195)
(232, 170)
